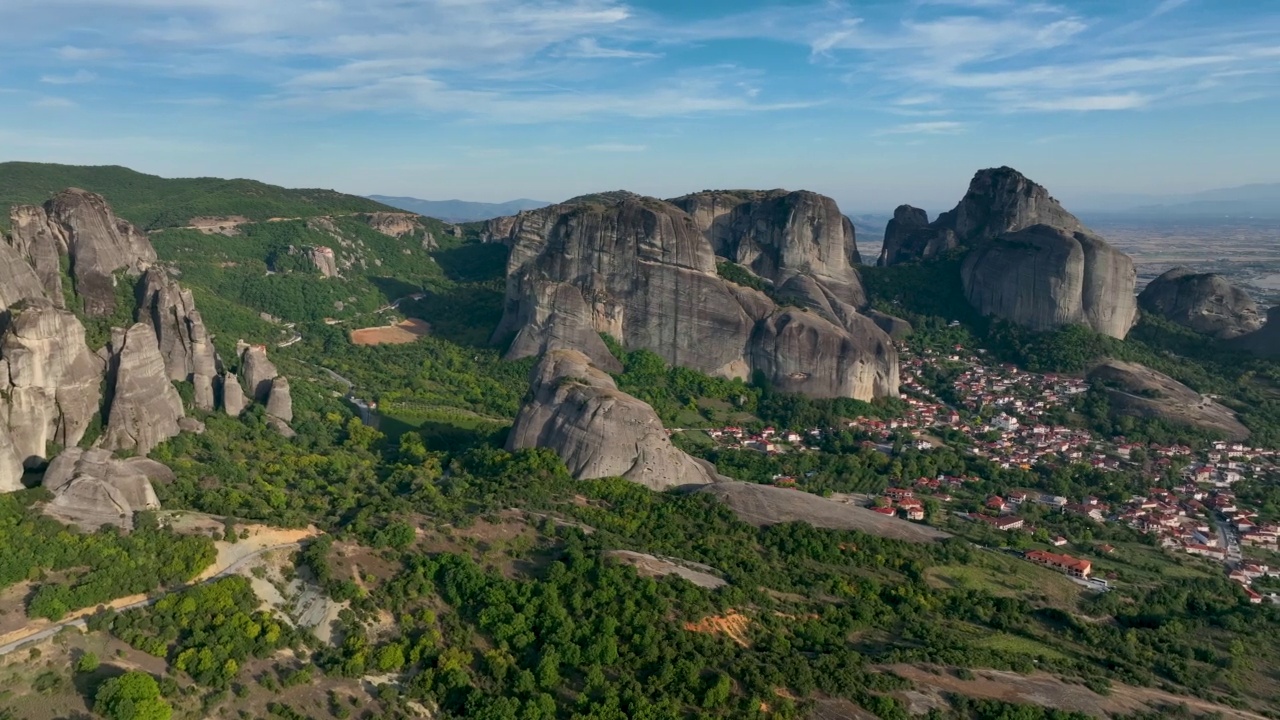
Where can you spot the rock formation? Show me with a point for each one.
(50, 382)
(393, 224)
(641, 270)
(99, 243)
(257, 370)
(233, 400)
(145, 408)
(184, 341)
(599, 431)
(1044, 277)
(91, 488)
(907, 237)
(324, 260)
(18, 281)
(10, 464)
(1204, 302)
(1264, 341)
(895, 327)
(1137, 390)
(40, 243)
(279, 400)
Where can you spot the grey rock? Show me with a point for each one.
(1204, 302)
(599, 431)
(99, 243)
(392, 224)
(999, 200)
(10, 464)
(1137, 390)
(191, 425)
(180, 331)
(258, 372)
(1264, 341)
(91, 488)
(18, 281)
(279, 400)
(145, 408)
(895, 327)
(642, 270)
(281, 426)
(50, 382)
(324, 260)
(41, 243)
(1044, 277)
(233, 400)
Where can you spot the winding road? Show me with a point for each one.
(36, 636)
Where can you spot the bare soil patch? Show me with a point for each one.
(402, 333)
(652, 566)
(733, 625)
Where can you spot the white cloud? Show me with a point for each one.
(79, 54)
(1086, 103)
(617, 148)
(589, 48)
(53, 103)
(79, 77)
(937, 127)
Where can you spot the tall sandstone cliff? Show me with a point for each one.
(1204, 302)
(1030, 261)
(644, 271)
(599, 431)
(183, 340)
(145, 408)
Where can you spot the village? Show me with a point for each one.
(1003, 414)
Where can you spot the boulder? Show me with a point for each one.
(643, 271)
(99, 243)
(599, 431)
(1139, 391)
(145, 407)
(279, 400)
(91, 488)
(1204, 302)
(258, 372)
(233, 400)
(50, 382)
(41, 243)
(1043, 277)
(324, 260)
(183, 339)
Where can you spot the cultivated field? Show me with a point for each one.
(403, 332)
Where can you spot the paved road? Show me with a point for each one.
(231, 569)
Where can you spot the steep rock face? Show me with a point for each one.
(1043, 278)
(599, 431)
(50, 382)
(10, 464)
(999, 200)
(1204, 302)
(393, 224)
(279, 400)
(895, 327)
(233, 400)
(324, 260)
(780, 234)
(1265, 341)
(183, 339)
(907, 237)
(258, 372)
(145, 408)
(99, 244)
(1137, 390)
(40, 243)
(641, 270)
(18, 281)
(91, 488)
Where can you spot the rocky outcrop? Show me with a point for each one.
(50, 382)
(1204, 302)
(907, 237)
(183, 339)
(99, 244)
(1044, 277)
(324, 260)
(999, 200)
(91, 488)
(894, 327)
(599, 431)
(257, 370)
(279, 400)
(10, 464)
(1264, 341)
(41, 244)
(145, 408)
(392, 224)
(1139, 391)
(18, 281)
(643, 271)
(233, 400)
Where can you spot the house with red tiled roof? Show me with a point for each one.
(1075, 567)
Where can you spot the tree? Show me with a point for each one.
(87, 663)
(132, 696)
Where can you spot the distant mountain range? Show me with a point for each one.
(458, 211)
(1261, 200)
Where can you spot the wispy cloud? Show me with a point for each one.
(79, 77)
(53, 103)
(617, 148)
(939, 127)
(79, 54)
(589, 48)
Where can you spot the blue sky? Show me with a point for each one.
(875, 103)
